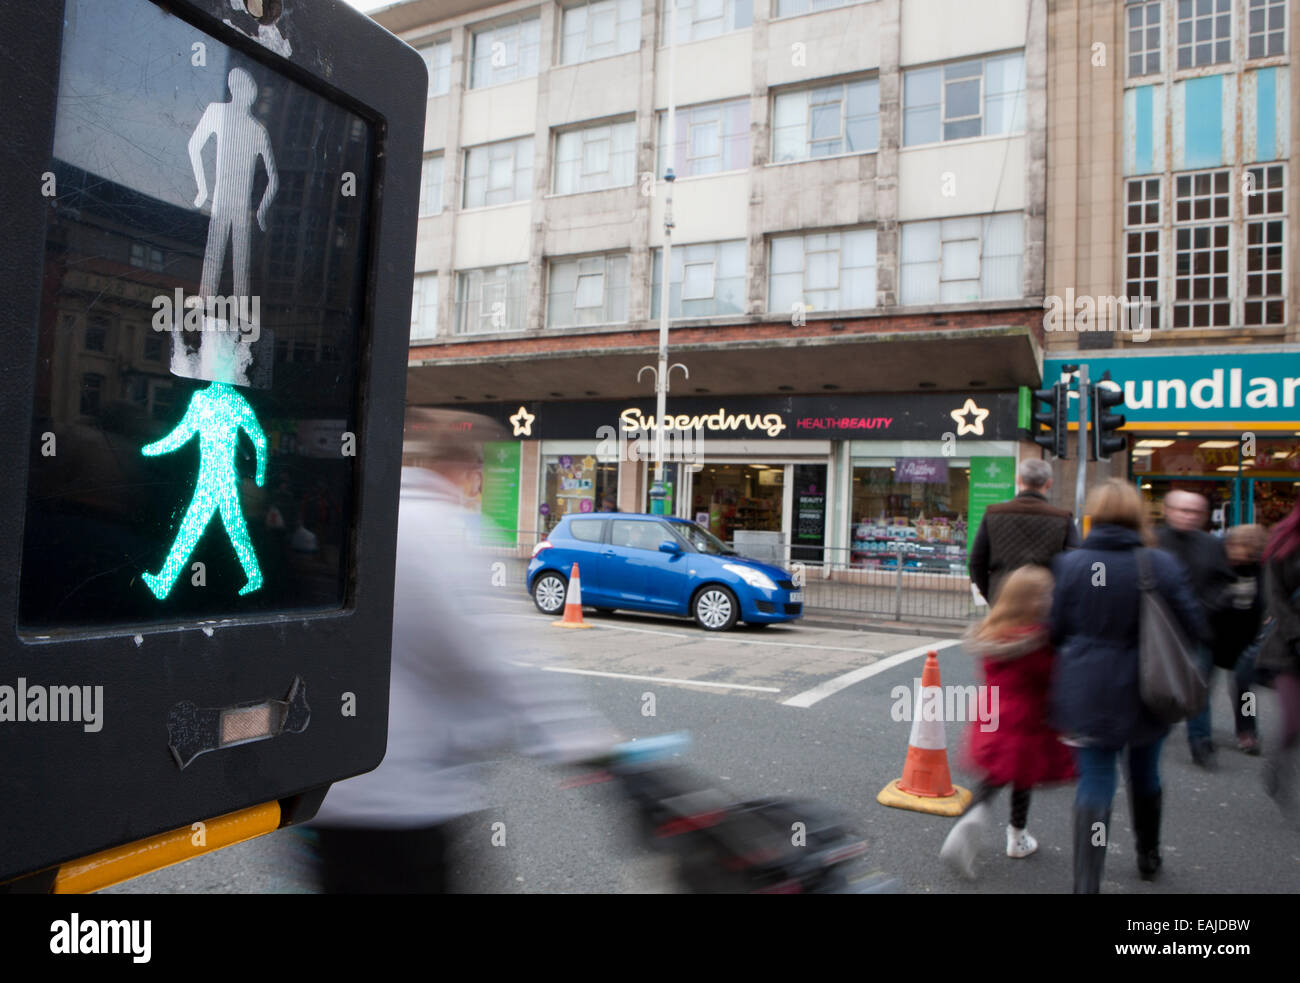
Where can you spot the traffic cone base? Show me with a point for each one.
(572, 603)
(926, 785)
(892, 795)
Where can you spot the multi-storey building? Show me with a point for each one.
(1170, 137)
(857, 264)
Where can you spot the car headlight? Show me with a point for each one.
(755, 578)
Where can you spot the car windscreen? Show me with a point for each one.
(701, 540)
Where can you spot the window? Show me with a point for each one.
(699, 19)
(588, 530)
(146, 257)
(97, 332)
(836, 119)
(577, 482)
(1142, 243)
(983, 97)
(498, 173)
(505, 53)
(438, 57)
(1202, 244)
(431, 186)
(153, 346)
(637, 534)
(913, 506)
(958, 260)
(824, 271)
(791, 8)
(707, 279)
(1265, 246)
(492, 299)
(1204, 32)
(1143, 22)
(709, 139)
(588, 290)
(1266, 28)
(424, 306)
(600, 29)
(92, 389)
(595, 158)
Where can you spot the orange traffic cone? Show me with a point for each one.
(573, 604)
(926, 785)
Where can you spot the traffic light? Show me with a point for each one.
(203, 403)
(1102, 440)
(1056, 437)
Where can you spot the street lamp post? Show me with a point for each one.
(658, 491)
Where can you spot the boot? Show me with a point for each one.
(1089, 860)
(1146, 830)
(1020, 843)
(961, 847)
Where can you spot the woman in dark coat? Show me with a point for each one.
(1096, 704)
(1280, 652)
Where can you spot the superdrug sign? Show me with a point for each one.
(884, 416)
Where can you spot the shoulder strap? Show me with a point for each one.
(1146, 580)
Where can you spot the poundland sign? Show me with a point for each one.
(1210, 390)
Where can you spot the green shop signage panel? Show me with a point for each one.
(500, 504)
(1212, 390)
(992, 480)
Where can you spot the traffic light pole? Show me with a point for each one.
(1081, 472)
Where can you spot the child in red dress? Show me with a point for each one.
(1018, 748)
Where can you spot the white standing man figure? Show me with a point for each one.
(241, 140)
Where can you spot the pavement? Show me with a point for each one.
(806, 711)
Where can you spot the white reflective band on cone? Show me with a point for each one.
(574, 594)
(928, 734)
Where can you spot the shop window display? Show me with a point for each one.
(916, 507)
(577, 484)
(740, 497)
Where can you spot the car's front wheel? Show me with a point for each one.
(715, 608)
(549, 591)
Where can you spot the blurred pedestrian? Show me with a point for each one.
(1183, 534)
(1280, 652)
(1026, 529)
(1020, 749)
(1238, 625)
(456, 700)
(1096, 701)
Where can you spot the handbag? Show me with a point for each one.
(1171, 685)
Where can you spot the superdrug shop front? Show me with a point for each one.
(853, 480)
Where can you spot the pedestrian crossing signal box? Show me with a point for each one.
(210, 211)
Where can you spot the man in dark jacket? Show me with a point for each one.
(1019, 532)
(1211, 580)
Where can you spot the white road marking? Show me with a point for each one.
(660, 679)
(798, 645)
(822, 690)
(643, 631)
(714, 637)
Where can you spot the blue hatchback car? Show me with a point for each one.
(659, 564)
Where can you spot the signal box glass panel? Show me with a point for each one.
(200, 334)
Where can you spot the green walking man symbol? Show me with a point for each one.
(217, 414)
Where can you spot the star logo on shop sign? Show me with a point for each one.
(963, 426)
(523, 422)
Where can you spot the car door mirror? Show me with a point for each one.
(670, 546)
